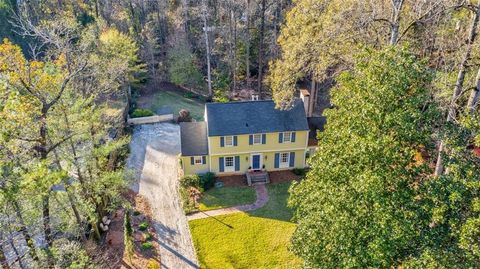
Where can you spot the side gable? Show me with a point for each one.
(193, 137)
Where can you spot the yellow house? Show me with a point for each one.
(248, 137)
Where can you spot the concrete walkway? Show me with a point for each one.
(262, 199)
(153, 156)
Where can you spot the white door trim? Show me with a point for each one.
(261, 160)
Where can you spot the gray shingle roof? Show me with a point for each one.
(251, 117)
(194, 138)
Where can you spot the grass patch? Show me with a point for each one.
(139, 113)
(177, 102)
(147, 245)
(258, 239)
(143, 226)
(226, 197)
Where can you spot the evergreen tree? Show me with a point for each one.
(357, 207)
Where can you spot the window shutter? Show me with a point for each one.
(204, 159)
(292, 159)
(237, 163)
(192, 161)
(280, 138)
(293, 136)
(264, 138)
(250, 139)
(235, 140)
(277, 160)
(222, 141)
(221, 164)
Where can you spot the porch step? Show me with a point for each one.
(257, 178)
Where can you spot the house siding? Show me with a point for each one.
(268, 159)
(189, 169)
(243, 144)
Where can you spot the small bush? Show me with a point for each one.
(188, 204)
(143, 226)
(128, 238)
(299, 171)
(148, 236)
(190, 181)
(220, 97)
(184, 116)
(147, 245)
(189, 95)
(138, 113)
(207, 181)
(153, 264)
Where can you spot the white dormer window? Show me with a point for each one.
(229, 141)
(257, 139)
(198, 160)
(255, 97)
(287, 137)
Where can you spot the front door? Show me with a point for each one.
(256, 161)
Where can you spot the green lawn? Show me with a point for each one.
(258, 239)
(174, 100)
(226, 197)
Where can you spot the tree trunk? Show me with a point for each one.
(474, 95)
(452, 110)
(207, 46)
(71, 199)
(260, 48)
(395, 21)
(232, 48)
(247, 45)
(312, 101)
(23, 229)
(17, 254)
(3, 258)
(234, 52)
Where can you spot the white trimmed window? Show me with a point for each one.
(284, 159)
(229, 164)
(287, 137)
(228, 141)
(257, 139)
(197, 160)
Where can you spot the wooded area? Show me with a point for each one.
(394, 182)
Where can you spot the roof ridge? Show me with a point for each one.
(240, 102)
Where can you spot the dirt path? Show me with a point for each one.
(262, 199)
(153, 156)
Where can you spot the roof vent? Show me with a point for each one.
(246, 124)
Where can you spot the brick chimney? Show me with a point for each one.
(305, 96)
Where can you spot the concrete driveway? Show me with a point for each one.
(153, 156)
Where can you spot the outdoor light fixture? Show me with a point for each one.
(246, 158)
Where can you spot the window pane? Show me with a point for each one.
(287, 137)
(284, 158)
(257, 139)
(229, 161)
(229, 140)
(198, 160)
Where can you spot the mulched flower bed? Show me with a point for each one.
(114, 244)
(283, 176)
(233, 181)
(275, 177)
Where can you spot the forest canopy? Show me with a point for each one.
(393, 182)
